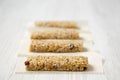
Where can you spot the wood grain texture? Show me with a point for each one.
(103, 17)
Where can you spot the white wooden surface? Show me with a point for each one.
(104, 19)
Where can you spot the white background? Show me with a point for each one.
(103, 17)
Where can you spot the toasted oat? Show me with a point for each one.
(56, 46)
(56, 63)
(55, 33)
(60, 24)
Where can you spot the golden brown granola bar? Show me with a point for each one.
(56, 63)
(56, 45)
(55, 33)
(60, 24)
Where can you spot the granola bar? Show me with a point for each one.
(55, 33)
(60, 24)
(56, 63)
(56, 45)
